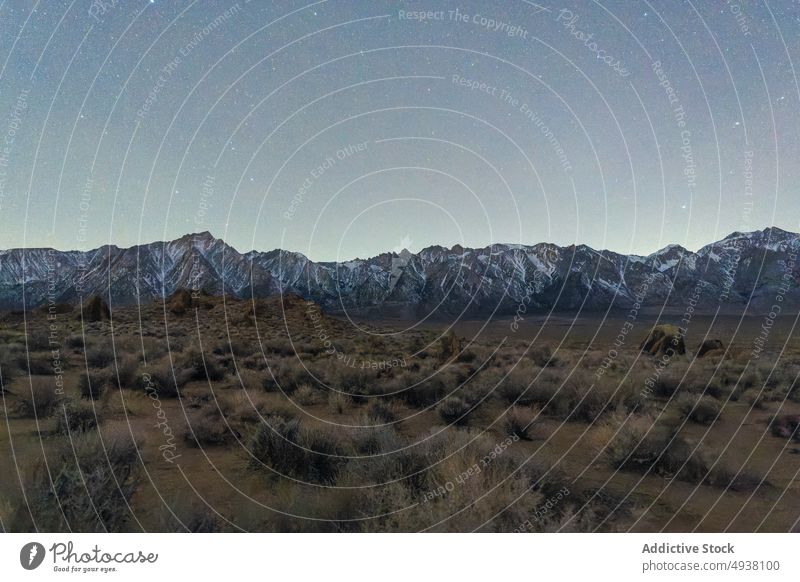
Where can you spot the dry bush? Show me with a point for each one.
(623, 438)
(153, 348)
(669, 380)
(659, 451)
(280, 347)
(371, 440)
(90, 495)
(253, 362)
(287, 376)
(247, 407)
(74, 342)
(665, 453)
(123, 373)
(517, 387)
(100, 355)
(785, 426)
(482, 385)
(94, 383)
(37, 397)
(41, 364)
(250, 380)
(758, 399)
(382, 412)
(424, 393)
(685, 460)
(200, 367)
(11, 358)
(550, 393)
(453, 410)
(519, 422)
(185, 516)
(338, 402)
(163, 379)
(467, 356)
(543, 356)
(793, 391)
(292, 449)
(451, 475)
(306, 395)
(238, 347)
(729, 475)
(77, 416)
(354, 380)
(37, 340)
(585, 399)
(581, 510)
(703, 410)
(209, 427)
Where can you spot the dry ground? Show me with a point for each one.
(225, 416)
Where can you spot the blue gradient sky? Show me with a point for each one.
(345, 129)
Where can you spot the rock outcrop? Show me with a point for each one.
(664, 339)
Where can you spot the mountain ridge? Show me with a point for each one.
(758, 266)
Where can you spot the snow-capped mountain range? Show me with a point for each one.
(758, 267)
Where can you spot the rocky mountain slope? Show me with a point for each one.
(758, 267)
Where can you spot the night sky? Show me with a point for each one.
(343, 129)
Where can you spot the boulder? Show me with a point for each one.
(710, 345)
(449, 346)
(662, 339)
(95, 309)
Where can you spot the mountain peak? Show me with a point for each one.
(199, 236)
(576, 276)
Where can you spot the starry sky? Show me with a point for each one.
(344, 129)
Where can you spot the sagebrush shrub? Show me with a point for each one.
(288, 448)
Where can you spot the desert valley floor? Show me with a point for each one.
(216, 414)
